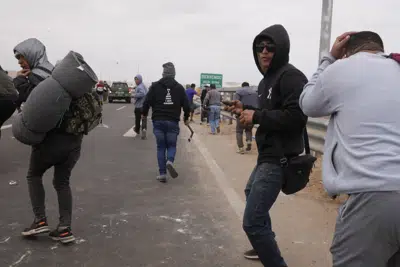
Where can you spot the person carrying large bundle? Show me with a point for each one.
(57, 112)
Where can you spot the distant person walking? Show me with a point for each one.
(247, 97)
(140, 95)
(100, 88)
(213, 102)
(166, 97)
(191, 92)
(204, 111)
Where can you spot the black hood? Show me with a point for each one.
(278, 34)
(168, 81)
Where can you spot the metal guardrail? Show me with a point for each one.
(316, 128)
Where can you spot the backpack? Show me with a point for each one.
(296, 170)
(83, 115)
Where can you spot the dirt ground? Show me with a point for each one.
(314, 189)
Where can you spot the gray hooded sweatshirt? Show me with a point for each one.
(362, 143)
(34, 52)
(140, 92)
(247, 95)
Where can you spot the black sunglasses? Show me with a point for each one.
(270, 47)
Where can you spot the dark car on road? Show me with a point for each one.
(119, 91)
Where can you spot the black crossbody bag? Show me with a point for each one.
(296, 170)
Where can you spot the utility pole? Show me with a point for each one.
(326, 28)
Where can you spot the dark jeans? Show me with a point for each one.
(138, 120)
(61, 152)
(239, 133)
(261, 192)
(166, 133)
(204, 114)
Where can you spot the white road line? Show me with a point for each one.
(104, 125)
(233, 197)
(118, 109)
(130, 133)
(6, 126)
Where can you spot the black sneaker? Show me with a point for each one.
(248, 148)
(65, 235)
(251, 255)
(37, 227)
(171, 170)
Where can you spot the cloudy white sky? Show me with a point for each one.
(214, 36)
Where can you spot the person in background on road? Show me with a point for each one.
(280, 120)
(191, 92)
(213, 102)
(204, 111)
(32, 58)
(247, 97)
(100, 88)
(59, 150)
(166, 97)
(362, 146)
(140, 96)
(107, 88)
(8, 97)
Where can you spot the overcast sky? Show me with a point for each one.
(213, 36)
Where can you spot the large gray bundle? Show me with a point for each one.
(23, 134)
(75, 75)
(45, 106)
(49, 101)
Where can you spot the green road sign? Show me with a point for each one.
(210, 78)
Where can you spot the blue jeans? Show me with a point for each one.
(214, 115)
(261, 192)
(166, 133)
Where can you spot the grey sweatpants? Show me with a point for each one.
(367, 231)
(60, 151)
(239, 133)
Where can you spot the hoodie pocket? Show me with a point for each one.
(333, 160)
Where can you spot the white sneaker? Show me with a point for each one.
(240, 150)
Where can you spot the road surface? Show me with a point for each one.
(122, 215)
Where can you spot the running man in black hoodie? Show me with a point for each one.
(281, 124)
(166, 97)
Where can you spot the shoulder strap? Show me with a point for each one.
(306, 141)
(278, 143)
(278, 146)
(44, 69)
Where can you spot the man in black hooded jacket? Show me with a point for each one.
(280, 133)
(167, 98)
